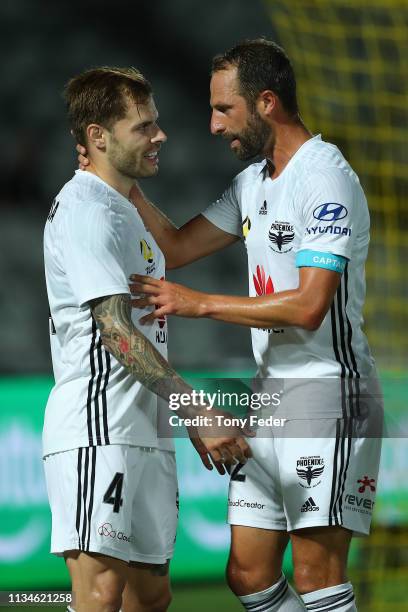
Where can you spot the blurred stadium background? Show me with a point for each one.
(350, 58)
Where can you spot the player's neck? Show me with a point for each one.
(288, 140)
(112, 177)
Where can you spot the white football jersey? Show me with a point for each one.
(94, 239)
(313, 214)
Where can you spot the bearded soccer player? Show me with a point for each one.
(111, 479)
(305, 222)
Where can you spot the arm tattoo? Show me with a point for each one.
(132, 349)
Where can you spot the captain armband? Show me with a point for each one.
(317, 259)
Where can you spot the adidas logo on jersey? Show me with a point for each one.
(309, 506)
(264, 209)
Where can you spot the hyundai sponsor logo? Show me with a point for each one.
(329, 229)
(330, 212)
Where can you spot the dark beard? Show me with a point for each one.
(253, 138)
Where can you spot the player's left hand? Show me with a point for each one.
(168, 298)
(83, 161)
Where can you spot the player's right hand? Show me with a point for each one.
(203, 452)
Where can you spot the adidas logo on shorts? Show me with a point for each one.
(309, 506)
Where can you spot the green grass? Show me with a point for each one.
(201, 599)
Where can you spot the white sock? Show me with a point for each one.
(279, 596)
(339, 598)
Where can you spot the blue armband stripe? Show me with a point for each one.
(317, 259)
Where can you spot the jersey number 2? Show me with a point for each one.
(236, 473)
(113, 493)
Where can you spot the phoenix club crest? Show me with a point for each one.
(281, 234)
(310, 473)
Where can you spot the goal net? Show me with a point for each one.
(350, 59)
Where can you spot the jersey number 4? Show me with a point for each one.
(113, 493)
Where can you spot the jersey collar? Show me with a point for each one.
(267, 165)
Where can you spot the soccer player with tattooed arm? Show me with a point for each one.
(304, 219)
(111, 477)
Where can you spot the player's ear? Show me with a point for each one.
(266, 103)
(96, 136)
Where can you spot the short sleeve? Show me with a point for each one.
(331, 207)
(92, 253)
(225, 213)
